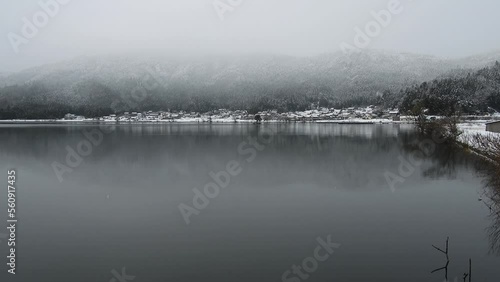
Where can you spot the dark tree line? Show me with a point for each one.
(474, 93)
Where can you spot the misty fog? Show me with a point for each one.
(447, 28)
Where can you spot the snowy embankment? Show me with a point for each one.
(485, 143)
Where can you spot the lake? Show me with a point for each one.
(231, 202)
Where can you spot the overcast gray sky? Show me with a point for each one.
(449, 28)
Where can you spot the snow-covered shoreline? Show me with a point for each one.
(472, 128)
(483, 143)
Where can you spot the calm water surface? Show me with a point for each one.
(120, 206)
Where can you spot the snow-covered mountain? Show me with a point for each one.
(479, 61)
(269, 81)
(334, 67)
(210, 70)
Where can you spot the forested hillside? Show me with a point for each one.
(472, 93)
(96, 86)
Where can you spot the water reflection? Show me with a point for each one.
(491, 199)
(445, 158)
(330, 155)
(120, 205)
(445, 162)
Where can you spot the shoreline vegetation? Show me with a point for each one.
(472, 137)
(486, 145)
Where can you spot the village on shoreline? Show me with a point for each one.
(354, 115)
